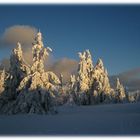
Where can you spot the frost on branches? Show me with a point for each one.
(29, 89)
(2, 80)
(92, 82)
(18, 70)
(120, 91)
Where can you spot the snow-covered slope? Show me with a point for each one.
(112, 119)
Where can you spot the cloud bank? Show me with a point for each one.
(130, 79)
(18, 33)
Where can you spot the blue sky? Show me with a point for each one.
(110, 32)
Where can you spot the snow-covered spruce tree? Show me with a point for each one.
(71, 98)
(89, 63)
(72, 82)
(63, 91)
(131, 98)
(120, 92)
(101, 74)
(18, 70)
(67, 92)
(93, 84)
(83, 79)
(35, 88)
(61, 80)
(137, 96)
(101, 90)
(2, 81)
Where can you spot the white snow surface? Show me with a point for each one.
(96, 120)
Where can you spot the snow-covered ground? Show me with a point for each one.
(117, 119)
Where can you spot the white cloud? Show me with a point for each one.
(18, 33)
